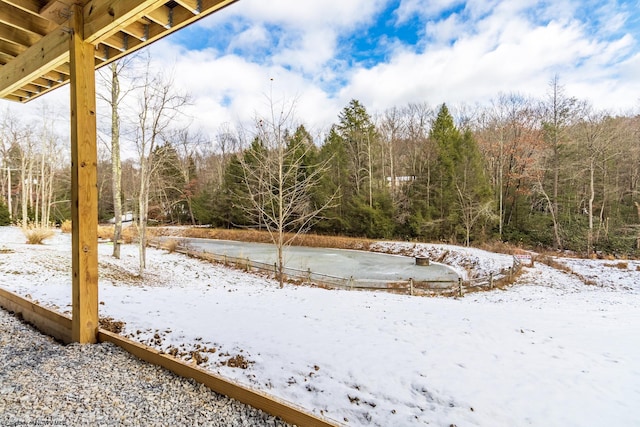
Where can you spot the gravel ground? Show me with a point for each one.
(45, 383)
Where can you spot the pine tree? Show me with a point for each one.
(447, 139)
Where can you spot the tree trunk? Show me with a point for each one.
(592, 196)
(116, 166)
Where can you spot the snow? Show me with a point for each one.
(469, 263)
(555, 349)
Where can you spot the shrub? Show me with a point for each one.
(36, 236)
(5, 216)
(105, 232)
(65, 227)
(170, 245)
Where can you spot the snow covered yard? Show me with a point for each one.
(549, 351)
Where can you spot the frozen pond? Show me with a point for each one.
(360, 265)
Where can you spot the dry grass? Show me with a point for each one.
(105, 232)
(562, 267)
(65, 227)
(620, 265)
(129, 234)
(311, 240)
(35, 236)
(170, 245)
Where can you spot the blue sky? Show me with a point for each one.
(392, 52)
(320, 54)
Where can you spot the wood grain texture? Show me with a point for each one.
(84, 191)
(47, 321)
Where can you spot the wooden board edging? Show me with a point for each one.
(253, 398)
(59, 326)
(47, 321)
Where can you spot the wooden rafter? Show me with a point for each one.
(33, 33)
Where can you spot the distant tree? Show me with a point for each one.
(5, 216)
(358, 133)
(337, 182)
(447, 139)
(508, 134)
(158, 106)
(559, 114)
(472, 186)
(111, 80)
(279, 179)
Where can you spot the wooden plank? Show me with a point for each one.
(57, 11)
(17, 36)
(286, 411)
(161, 16)
(50, 52)
(24, 20)
(47, 321)
(32, 6)
(103, 18)
(192, 6)
(137, 29)
(84, 191)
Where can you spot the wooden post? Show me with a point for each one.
(411, 287)
(460, 285)
(84, 188)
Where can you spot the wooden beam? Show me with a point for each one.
(103, 18)
(32, 6)
(17, 36)
(24, 20)
(84, 189)
(161, 16)
(12, 49)
(138, 30)
(192, 6)
(47, 321)
(57, 11)
(50, 52)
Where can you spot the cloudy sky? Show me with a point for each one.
(323, 53)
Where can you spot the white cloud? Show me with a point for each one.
(503, 52)
(230, 89)
(253, 39)
(424, 8)
(486, 47)
(306, 15)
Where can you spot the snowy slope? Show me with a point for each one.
(549, 351)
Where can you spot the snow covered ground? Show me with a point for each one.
(549, 351)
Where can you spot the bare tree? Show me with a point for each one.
(472, 210)
(508, 135)
(158, 107)
(111, 80)
(559, 115)
(279, 181)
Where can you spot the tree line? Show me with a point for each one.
(554, 172)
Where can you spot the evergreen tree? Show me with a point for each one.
(447, 138)
(5, 216)
(356, 174)
(335, 181)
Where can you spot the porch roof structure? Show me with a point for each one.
(34, 36)
(45, 44)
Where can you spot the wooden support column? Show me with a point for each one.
(84, 188)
